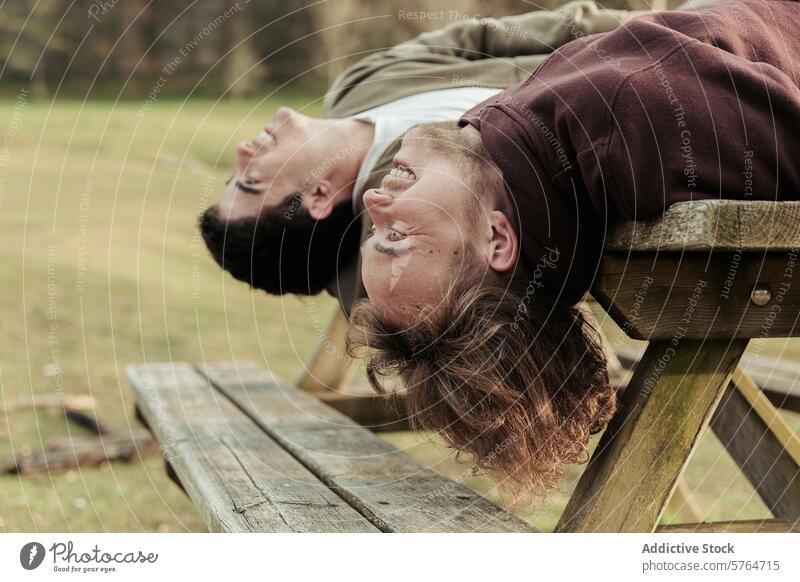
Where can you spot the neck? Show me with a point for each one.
(350, 142)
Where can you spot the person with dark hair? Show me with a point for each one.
(284, 249)
(491, 229)
(291, 217)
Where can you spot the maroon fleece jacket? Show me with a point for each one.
(673, 106)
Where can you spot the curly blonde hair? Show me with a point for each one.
(518, 385)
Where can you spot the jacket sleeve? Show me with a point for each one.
(533, 33)
(537, 32)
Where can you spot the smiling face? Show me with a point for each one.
(432, 224)
(273, 165)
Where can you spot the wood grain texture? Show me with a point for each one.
(664, 409)
(756, 437)
(659, 296)
(743, 526)
(719, 225)
(393, 491)
(238, 478)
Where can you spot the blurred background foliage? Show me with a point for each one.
(118, 48)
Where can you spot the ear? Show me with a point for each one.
(320, 199)
(504, 245)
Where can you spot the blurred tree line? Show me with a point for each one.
(235, 47)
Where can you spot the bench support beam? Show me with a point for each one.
(330, 367)
(742, 526)
(668, 403)
(762, 444)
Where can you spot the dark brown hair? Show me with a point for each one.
(517, 384)
(283, 249)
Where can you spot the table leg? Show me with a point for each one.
(638, 460)
(682, 505)
(330, 367)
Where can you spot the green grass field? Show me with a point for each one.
(101, 266)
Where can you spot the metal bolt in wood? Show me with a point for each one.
(760, 295)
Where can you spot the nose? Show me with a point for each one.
(378, 204)
(282, 114)
(245, 151)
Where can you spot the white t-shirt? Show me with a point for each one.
(392, 120)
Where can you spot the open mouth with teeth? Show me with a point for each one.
(402, 172)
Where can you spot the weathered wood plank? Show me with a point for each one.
(665, 408)
(742, 526)
(656, 296)
(761, 443)
(720, 225)
(237, 477)
(395, 492)
(756, 436)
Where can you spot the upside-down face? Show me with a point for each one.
(270, 166)
(421, 230)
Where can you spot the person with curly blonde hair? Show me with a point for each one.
(489, 230)
(518, 383)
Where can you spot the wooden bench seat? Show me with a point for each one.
(255, 454)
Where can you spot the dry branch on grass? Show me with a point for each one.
(62, 453)
(66, 401)
(77, 452)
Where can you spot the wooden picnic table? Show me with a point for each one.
(698, 285)
(257, 454)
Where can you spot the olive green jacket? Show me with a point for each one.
(494, 53)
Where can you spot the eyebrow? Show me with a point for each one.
(385, 250)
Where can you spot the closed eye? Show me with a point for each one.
(247, 189)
